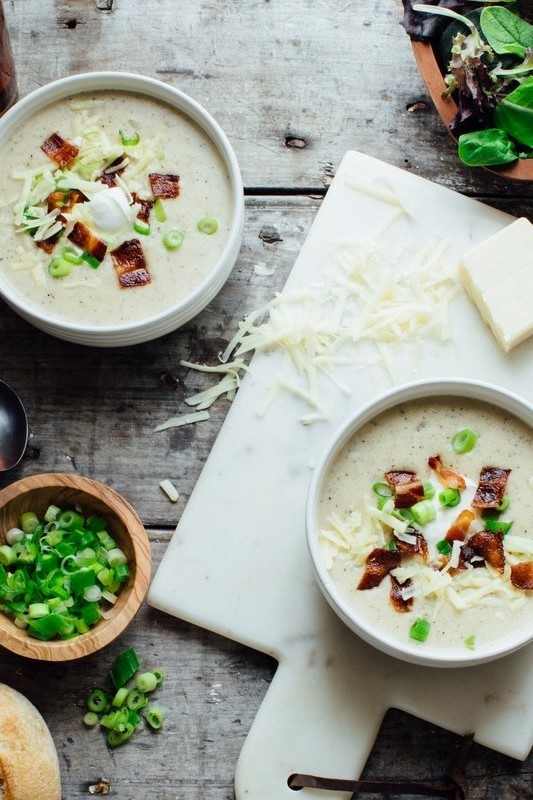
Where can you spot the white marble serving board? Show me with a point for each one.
(238, 562)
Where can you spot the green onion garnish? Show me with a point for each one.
(419, 630)
(154, 717)
(382, 489)
(464, 440)
(90, 260)
(59, 268)
(159, 210)
(504, 505)
(423, 512)
(498, 526)
(429, 491)
(124, 668)
(91, 719)
(146, 682)
(129, 140)
(207, 225)
(444, 547)
(71, 255)
(450, 497)
(97, 701)
(173, 239)
(142, 227)
(470, 642)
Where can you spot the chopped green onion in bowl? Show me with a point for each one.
(464, 441)
(208, 225)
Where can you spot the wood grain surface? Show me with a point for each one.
(294, 85)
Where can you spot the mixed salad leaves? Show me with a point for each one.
(488, 70)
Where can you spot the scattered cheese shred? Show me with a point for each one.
(170, 490)
(184, 419)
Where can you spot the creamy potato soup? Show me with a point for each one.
(88, 176)
(430, 545)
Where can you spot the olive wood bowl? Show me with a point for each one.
(36, 493)
(521, 170)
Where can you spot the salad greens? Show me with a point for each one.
(489, 73)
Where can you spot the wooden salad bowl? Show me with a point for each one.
(521, 170)
(35, 494)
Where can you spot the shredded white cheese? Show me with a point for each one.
(184, 419)
(170, 490)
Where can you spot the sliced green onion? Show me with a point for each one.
(124, 667)
(450, 497)
(38, 610)
(92, 594)
(504, 505)
(7, 556)
(470, 642)
(136, 700)
(91, 719)
(429, 491)
(154, 717)
(117, 737)
(14, 535)
(70, 519)
(142, 227)
(120, 697)
(391, 545)
(405, 513)
(208, 225)
(91, 260)
(29, 522)
(464, 440)
(52, 513)
(129, 139)
(419, 630)
(71, 255)
(159, 210)
(159, 675)
(444, 547)
(498, 526)
(382, 489)
(116, 557)
(173, 239)
(423, 512)
(97, 701)
(385, 503)
(146, 682)
(59, 268)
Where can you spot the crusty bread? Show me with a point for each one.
(29, 769)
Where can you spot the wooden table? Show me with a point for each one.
(294, 85)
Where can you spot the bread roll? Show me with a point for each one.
(29, 768)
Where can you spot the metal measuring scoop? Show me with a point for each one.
(13, 428)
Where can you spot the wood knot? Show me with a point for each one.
(296, 142)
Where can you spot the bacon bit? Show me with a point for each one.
(49, 244)
(491, 487)
(378, 564)
(522, 575)
(109, 175)
(400, 604)
(448, 478)
(65, 200)
(88, 241)
(146, 207)
(407, 486)
(458, 529)
(130, 264)
(163, 185)
(59, 150)
(420, 547)
(488, 545)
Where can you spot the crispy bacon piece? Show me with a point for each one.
(59, 150)
(109, 175)
(459, 528)
(65, 200)
(130, 264)
(489, 546)
(163, 185)
(420, 547)
(407, 486)
(146, 207)
(378, 564)
(395, 595)
(522, 575)
(88, 241)
(491, 487)
(448, 478)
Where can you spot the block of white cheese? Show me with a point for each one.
(498, 276)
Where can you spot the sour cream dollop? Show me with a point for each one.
(110, 209)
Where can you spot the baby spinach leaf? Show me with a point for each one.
(486, 148)
(514, 113)
(506, 32)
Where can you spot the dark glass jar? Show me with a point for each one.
(8, 78)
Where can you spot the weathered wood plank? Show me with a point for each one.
(294, 84)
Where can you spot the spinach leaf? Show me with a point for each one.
(486, 148)
(514, 113)
(506, 32)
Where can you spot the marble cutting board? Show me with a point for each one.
(238, 562)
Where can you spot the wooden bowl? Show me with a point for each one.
(521, 170)
(36, 493)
